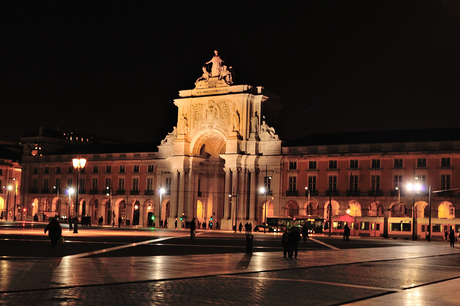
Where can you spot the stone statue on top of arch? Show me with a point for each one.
(218, 69)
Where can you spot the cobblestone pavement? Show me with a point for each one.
(315, 278)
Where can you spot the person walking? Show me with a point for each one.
(452, 237)
(55, 231)
(240, 227)
(192, 229)
(285, 242)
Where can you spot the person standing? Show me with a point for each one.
(294, 237)
(346, 233)
(285, 242)
(452, 237)
(55, 231)
(192, 229)
(240, 227)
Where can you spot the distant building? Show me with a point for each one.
(213, 163)
(10, 182)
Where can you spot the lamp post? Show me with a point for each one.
(399, 194)
(308, 194)
(162, 190)
(264, 191)
(78, 163)
(70, 191)
(109, 194)
(8, 189)
(330, 210)
(414, 188)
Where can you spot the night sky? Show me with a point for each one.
(113, 68)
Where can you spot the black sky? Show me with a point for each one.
(113, 68)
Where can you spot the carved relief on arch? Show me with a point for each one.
(211, 114)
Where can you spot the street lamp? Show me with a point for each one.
(308, 194)
(78, 163)
(162, 190)
(414, 188)
(264, 191)
(70, 191)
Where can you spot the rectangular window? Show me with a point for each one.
(58, 184)
(397, 179)
(375, 182)
(332, 164)
(135, 184)
(58, 170)
(398, 163)
(267, 182)
(94, 184)
(108, 169)
(35, 170)
(34, 184)
(445, 162)
(82, 185)
(333, 183)
(169, 185)
(312, 183)
(354, 164)
(122, 169)
(376, 163)
(421, 163)
(1, 173)
(150, 184)
(445, 181)
(136, 168)
(121, 184)
(69, 182)
(150, 168)
(46, 184)
(292, 165)
(83, 170)
(292, 183)
(47, 169)
(95, 169)
(312, 165)
(108, 182)
(353, 183)
(70, 169)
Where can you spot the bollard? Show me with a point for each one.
(249, 243)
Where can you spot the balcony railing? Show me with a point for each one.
(31, 190)
(292, 193)
(94, 191)
(45, 190)
(120, 191)
(353, 192)
(332, 192)
(82, 191)
(134, 192)
(149, 192)
(376, 193)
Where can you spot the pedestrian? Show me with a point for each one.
(102, 220)
(166, 223)
(55, 231)
(217, 225)
(175, 224)
(246, 228)
(119, 221)
(250, 228)
(240, 227)
(294, 238)
(445, 235)
(304, 232)
(285, 242)
(452, 237)
(346, 233)
(192, 229)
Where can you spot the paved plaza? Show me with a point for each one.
(319, 277)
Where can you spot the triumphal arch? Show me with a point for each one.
(222, 150)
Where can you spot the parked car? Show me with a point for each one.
(260, 228)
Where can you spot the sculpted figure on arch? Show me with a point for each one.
(216, 62)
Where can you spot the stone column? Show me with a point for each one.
(181, 198)
(253, 197)
(228, 190)
(173, 208)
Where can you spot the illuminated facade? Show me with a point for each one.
(223, 145)
(10, 183)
